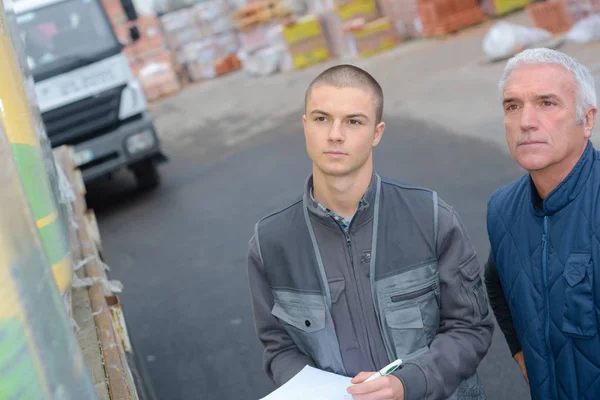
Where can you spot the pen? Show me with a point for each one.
(388, 369)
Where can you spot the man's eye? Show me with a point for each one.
(320, 119)
(512, 107)
(547, 103)
(354, 122)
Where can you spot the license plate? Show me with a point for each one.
(83, 157)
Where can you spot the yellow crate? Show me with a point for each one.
(315, 56)
(301, 30)
(506, 6)
(356, 8)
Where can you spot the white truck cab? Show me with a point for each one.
(87, 95)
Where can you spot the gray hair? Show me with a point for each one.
(586, 92)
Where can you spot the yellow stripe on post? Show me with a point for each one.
(47, 220)
(19, 126)
(63, 274)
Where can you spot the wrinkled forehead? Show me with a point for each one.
(541, 77)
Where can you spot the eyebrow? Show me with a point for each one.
(540, 97)
(547, 97)
(355, 115)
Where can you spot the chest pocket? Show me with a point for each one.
(579, 315)
(412, 319)
(305, 323)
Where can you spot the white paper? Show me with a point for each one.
(313, 384)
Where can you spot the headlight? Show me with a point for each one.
(140, 142)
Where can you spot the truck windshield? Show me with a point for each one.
(65, 35)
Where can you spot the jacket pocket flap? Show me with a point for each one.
(306, 319)
(576, 268)
(336, 288)
(404, 318)
(471, 270)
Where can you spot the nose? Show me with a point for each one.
(335, 133)
(529, 118)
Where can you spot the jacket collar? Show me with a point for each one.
(363, 211)
(570, 187)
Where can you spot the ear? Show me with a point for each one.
(378, 133)
(589, 121)
(304, 123)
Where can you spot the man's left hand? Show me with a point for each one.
(387, 387)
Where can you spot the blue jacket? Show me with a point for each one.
(548, 260)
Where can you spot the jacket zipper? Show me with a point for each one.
(357, 288)
(413, 295)
(547, 301)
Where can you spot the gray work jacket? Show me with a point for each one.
(404, 282)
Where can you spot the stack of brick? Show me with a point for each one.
(203, 39)
(263, 48)
(440, 17)
(150, 59)
(551, 16)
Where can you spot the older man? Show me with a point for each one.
(543, 273)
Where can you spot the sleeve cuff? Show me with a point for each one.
(414, 381)
(514, 347)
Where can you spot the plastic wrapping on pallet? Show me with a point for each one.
(266, 61)
(403, 15)
(157, 76)
(504, 39)
(580, 9)
(585, 30)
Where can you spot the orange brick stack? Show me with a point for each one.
(550, 15)
(440, 17)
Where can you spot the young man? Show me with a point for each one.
(543, 273)
(361, 270)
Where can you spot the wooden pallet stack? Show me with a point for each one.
(259, 13)
(441, 17)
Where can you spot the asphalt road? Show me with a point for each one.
(180, 251)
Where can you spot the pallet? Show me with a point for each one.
(95, 302)
(258, 13)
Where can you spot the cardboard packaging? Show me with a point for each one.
(366, 9)
(306, 42)
(157, 76)
(376, 36)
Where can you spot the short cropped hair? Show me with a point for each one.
(584, 80)
(349, 76)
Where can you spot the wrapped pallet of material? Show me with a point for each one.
(39, 355)
(30, 148)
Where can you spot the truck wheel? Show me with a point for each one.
(146, 175)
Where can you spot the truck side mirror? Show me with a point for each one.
(129, 9)
(134, 33)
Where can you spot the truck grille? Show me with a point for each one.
(84, 119)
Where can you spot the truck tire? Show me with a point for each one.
(146, 175)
